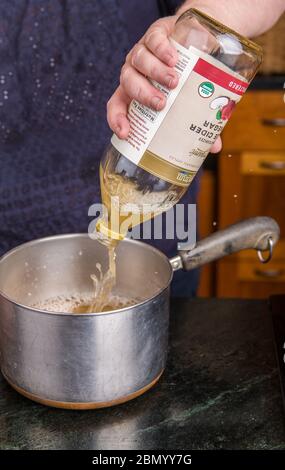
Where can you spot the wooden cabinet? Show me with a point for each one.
(206, 220)
(251, 182)
(258, 123)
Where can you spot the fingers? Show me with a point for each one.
(157, 41)
(149, 65)
(117, 109)
(137, 87)
(153, 57)
(217, 146)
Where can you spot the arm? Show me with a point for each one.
(154, 57)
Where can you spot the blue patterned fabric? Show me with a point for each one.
(59, 64)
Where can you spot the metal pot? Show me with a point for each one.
(97, 360)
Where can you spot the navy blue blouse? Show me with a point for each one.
(59, 63)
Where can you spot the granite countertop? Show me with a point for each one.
(220, 390)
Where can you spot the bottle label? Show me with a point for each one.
(173, 143)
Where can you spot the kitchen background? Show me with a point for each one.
(248, 179)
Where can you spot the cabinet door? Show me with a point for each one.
(251, 184)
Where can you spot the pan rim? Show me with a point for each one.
(82, 315)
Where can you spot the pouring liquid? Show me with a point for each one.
(142, 204)
(103, 283)
(104, 297)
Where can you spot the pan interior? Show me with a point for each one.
(61, 266)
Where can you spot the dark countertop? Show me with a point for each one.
(220, 390)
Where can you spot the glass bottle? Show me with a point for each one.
(150, 171)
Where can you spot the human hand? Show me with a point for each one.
(153, 57)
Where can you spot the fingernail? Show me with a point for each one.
(170, 80)
(170, 59)
(156, 102)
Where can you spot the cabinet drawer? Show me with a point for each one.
(258, 123)
(249, 267)
(263, 163)
(248, 270)
(240, 279)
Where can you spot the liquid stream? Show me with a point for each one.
(143, 205)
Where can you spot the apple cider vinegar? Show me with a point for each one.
(164, 150)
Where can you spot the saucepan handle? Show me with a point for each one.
(259, 233)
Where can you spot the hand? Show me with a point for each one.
(152, 57)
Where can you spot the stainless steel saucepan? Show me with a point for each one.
(100, 359)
